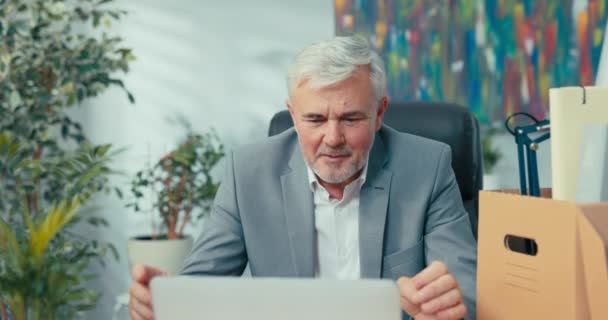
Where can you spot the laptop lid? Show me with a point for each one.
(215, 298)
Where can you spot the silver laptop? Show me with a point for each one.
(223, 298)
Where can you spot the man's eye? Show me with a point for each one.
(352, 120)
(315, 120)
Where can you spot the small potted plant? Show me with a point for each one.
(181, 189)
(491, 156)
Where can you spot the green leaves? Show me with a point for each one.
(101, 151)
(31, 276)
(55, 220)
(14, 99)
(10, 246)
(180, 183)
(8, 147)
(47, 65)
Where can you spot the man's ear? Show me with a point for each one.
(382, 105)
(289, 105)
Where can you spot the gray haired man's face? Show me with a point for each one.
(336, 125)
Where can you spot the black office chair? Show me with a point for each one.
(446, 122)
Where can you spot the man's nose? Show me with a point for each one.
(333, 133)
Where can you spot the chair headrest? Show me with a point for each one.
(445, 122)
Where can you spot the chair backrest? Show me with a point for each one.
(446, 122)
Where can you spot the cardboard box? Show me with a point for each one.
(563, 272)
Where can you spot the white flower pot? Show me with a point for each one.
(491, 182)
(167, 255)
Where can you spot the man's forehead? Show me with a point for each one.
(326, 99)
(324, 107)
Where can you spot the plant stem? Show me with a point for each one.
(187, 209)
(3, 314)
(17, 307)
(172, 215)
(33, 196)
(35, 309)
(180, 198)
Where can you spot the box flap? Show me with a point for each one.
(593, 235)
(513, 285)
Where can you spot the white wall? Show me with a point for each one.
(219, 63)
(507, 169)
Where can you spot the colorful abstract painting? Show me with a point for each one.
(495, 56)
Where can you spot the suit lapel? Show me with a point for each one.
(298, 205)
(373, 205)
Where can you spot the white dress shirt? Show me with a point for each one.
(337, 230)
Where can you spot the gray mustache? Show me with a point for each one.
(334, 152)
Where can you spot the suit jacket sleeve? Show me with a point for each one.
(448, 235)
(220, 248)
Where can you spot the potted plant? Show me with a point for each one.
(54, 55)
(491, 156)
(42, 262)
(27, 260)
(181, 189)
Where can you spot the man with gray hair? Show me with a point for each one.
(339, 196)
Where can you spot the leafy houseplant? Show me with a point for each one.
(41, 259)
(54, 55)
(182, 189)
(181, 183)
(27, 261)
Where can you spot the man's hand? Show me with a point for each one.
(140, 298)
(432, 294)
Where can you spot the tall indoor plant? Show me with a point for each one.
(53, 56)
(181, 188)
(42, 261)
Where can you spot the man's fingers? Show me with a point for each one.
(140, 293)
(142, 311)
(445, 301)
(411, 309)
(435, 289)
(432, 294)
(457, 312)
(138, 272)
(429, 274)
(134, 315)
(407, 291)
(140, 302)
(424, 316)
(139, 310)
(143, 274)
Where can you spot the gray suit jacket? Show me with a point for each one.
(410, 214)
